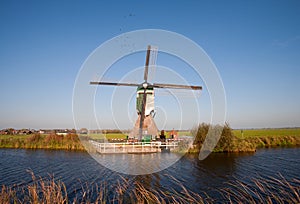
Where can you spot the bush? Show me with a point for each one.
(225, 142)
(209, 134)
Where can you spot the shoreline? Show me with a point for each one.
(231, 141)
(253, 144)
(239, 146)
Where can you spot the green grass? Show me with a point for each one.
(265, 138)
(250, 133)
(123, 136)
(106, 136)
(184, 133)
(14, 136)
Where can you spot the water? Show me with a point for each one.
(77, 168)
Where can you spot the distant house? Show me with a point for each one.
(44, 131)
(9, 131)
(25, 132)
(83, 131)
(62, 131)
(95, 131)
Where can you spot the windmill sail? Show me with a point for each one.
(176, 86)
(112, 83)
(152, 63)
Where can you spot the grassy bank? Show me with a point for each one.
(244, 140)
(38, 141)
(230, 141)
(265, 138)
(50, 190)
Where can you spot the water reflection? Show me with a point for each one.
(206, 175)
(137, 164)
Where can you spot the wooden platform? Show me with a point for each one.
(134, 148)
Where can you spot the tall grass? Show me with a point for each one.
(261, 190)
(38, 141)
(270, 190)
(40, 191)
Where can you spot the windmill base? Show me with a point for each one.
(149, 128)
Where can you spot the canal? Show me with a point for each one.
(76, 169)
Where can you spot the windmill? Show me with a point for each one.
(145, 96)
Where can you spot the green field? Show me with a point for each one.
(184, 133)
(242, 134)
(123, 136)
(106, 136)
(21, 137)
(250, 133)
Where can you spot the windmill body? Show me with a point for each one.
(149, 107)
(145, 125)
(149, 128)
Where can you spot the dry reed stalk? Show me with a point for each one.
(260, 190)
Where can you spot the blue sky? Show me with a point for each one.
(255, 46)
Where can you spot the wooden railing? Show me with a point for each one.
(137, 147)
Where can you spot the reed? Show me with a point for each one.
(263, 190)
(259, 190)
(38, 141)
